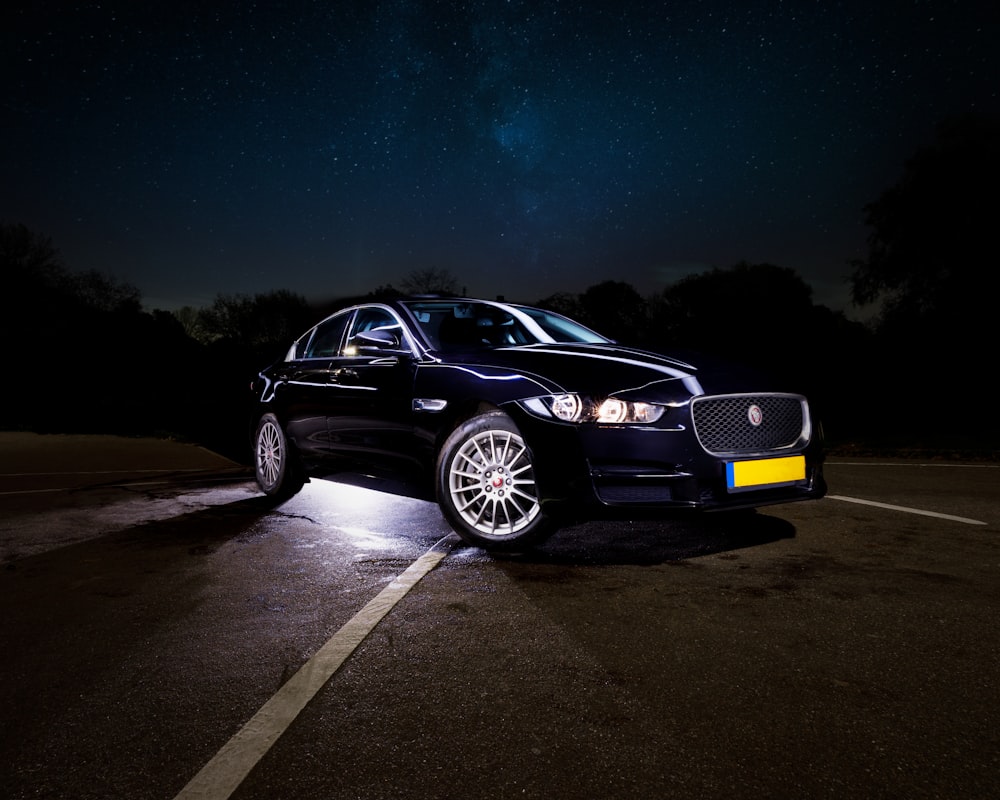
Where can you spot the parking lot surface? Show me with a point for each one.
(843, 647)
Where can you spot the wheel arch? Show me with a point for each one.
(461, 413)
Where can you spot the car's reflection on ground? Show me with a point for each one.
(383, 521)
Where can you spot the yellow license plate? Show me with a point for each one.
(765, 472)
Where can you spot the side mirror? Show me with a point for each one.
(376, 340)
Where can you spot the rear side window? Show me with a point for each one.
(325, 341)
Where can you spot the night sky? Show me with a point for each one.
(194, 149)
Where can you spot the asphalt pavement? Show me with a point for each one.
(844, 647)
(26, 452)
(60, 489)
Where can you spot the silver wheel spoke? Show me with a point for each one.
(492, 484)
(269, 454)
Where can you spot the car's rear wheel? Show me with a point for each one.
(277, 471)
(486, 485)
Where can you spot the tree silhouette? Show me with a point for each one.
(35, 278)
(262, 325)
(748, 311)
(762, 316)
(28, 260)
(616, 310)
(57, 327)
(932, 239)
(432, 280)
(932, 267)
(565, 303)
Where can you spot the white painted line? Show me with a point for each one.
(906, 510)
(946, 465)
(130, 484)
(137, 470)
(39, 491)
(220, 777)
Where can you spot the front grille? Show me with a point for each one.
(634, 494)
(723, 423)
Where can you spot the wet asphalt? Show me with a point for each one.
(152, 605)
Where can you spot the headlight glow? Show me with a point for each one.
(602, 410)
(612, 410)
(646, 412)
(567, 407)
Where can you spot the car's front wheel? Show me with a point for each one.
(486, 485)
(275, 467)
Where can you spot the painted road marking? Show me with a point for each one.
(100, 472)
(220, 777)
(905, 509)
(909, 464)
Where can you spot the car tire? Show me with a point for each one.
(276, 468)
(486, 485)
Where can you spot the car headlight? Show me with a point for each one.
(585, 408)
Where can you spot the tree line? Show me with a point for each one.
(81, 353)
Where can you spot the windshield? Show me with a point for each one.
(463, 324)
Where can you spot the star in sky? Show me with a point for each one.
(529, 148)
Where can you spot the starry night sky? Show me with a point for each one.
(198, 148)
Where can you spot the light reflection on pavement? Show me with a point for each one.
(29, 534)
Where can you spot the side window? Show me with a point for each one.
(373, 319)
(325, 342)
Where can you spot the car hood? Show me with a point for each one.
(612, 369)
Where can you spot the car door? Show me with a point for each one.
(304, 388)
(371, 416)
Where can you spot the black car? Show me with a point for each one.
(517, 419)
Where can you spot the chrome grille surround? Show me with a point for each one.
(723, 427)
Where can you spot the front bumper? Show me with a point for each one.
(637, 467)
(620, 486)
